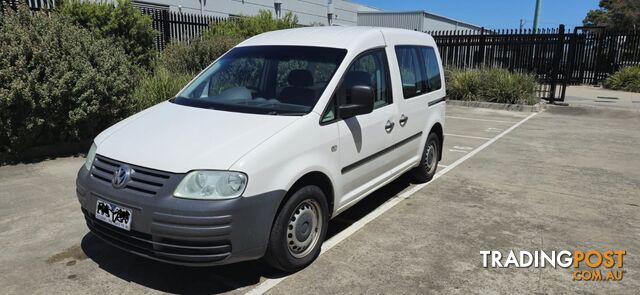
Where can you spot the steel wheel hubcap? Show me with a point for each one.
(430, 159)
(303, 230)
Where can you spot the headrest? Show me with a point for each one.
(300, 78)
(357, 78)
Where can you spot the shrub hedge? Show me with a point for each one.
(124, 23)
(66, 76)
(191, 58)
(626, 79)
(491, 85)
(58, 82)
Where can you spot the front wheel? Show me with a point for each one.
(299, 230)
(429, 160)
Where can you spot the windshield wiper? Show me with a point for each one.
(275, 113)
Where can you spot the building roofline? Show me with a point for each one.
(424, 13)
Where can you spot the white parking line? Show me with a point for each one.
(443, 166)
(326, 246)
(458, 151)
(467, 136)
(476, 119)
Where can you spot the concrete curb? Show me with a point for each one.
(592, 110)
(499, 106)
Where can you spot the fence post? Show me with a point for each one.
(598, 58)
(571, 57)
(612, 37)
(166, 28)
(557, 58)
(480, 60)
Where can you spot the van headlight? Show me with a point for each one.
(91, 155)
(211, 185)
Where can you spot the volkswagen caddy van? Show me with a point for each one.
(260, 150)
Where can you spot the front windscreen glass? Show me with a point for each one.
(275, 80)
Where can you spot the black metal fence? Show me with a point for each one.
(178, 26)
(33, 4)
(584, 56)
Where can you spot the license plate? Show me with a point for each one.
(114, 215)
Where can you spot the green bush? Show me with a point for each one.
(626, 79)
(191, 58)
(126, 24)
(157, 87)
(247, 26)
(58, 82)
(492, 85)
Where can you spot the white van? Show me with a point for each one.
(255, 155)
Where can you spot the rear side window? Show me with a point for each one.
(419, 70)
(411, 72)
(433, 69)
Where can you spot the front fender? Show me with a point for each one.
(283, 159)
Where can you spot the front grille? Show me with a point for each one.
(161, 248)
(143, 180)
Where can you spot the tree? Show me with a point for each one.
(615, 14)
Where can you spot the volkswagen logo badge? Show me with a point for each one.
(122, 176)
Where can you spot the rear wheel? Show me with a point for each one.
(429, 160)
(299, 230)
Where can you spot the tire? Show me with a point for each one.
(428, 163)
(298, 230)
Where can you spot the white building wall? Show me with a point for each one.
(308, 11)
(311, 12)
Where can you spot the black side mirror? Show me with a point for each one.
(361, 102)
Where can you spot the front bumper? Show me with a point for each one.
(180, 231)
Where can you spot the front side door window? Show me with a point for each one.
(370, 69)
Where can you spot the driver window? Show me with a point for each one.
(369, 69)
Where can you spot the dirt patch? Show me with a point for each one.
(73, 252)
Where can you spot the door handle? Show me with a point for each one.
(389, 126)
(403, 120)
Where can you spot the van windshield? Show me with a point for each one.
(275, 80)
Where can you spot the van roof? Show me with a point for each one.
(347, 37)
